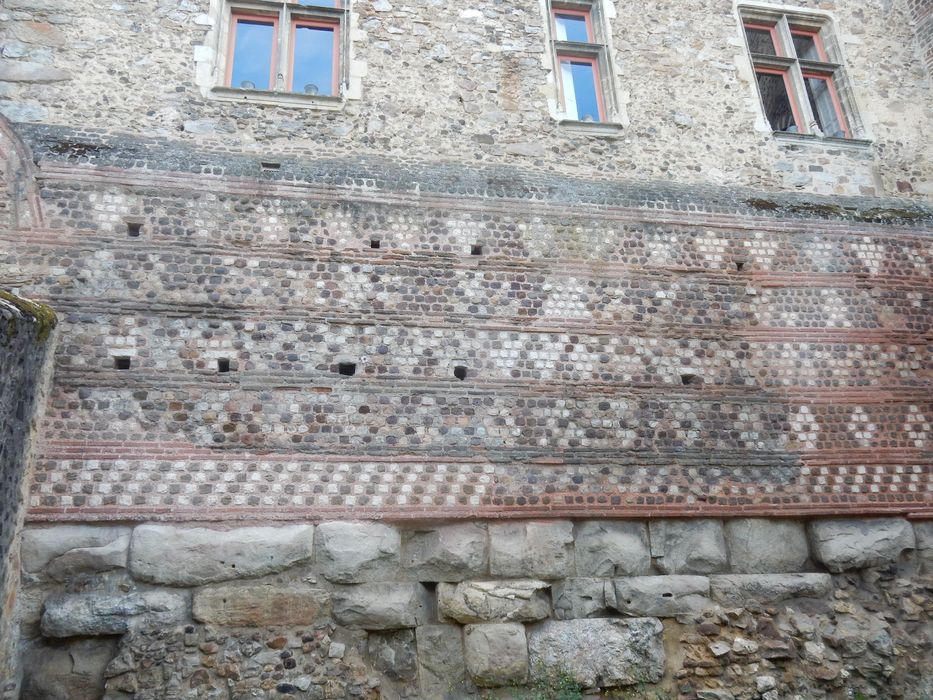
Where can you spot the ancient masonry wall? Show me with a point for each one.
(691, 609)
(25, 348)
(922, 13)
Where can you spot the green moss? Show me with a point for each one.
(44, 316)
(765, 204)
(889, 215)
(819, 209)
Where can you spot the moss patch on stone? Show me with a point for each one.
(45, 318)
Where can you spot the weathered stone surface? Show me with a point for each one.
(441, 666)
(349, 552)
(70, 671)
(923, 531)
(736, 589)
(603, 653)
(540, 549)
(260, 605)
(766, 545)
(688, 546)
(90, 560)
(611, 548)
(393, 653)
(178, 556)
(842, 545)
(521, 600)
(445, 553)
(23, 111)
(43, 545)
(382, 606)
(496, 654)
(30, 72)
(92, 614)
(661, 596)
(582, 597)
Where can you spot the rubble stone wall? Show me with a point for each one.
(25, 348)
(739, 609)
(471, 84)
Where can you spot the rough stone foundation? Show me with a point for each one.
(738, 609)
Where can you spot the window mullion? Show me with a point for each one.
(795, 76)
(285, 32)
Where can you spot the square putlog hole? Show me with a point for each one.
(460, 372)
(375, 244)
(347, 369)
(688, 379)
(223, 365)
(476, 249)
(121, 363)
(133, 229)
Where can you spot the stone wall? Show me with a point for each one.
(25, 348)
(469, 84)
(922, 13)
(709, 609)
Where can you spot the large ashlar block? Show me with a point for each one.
(65, 550)
(446, 553)
(382, 606)
(496, 654)
(536, 549)
(611, 548)
(843, 545)
(737, 589)
(93, 614)
(576, 598)
(688, 546)
(924, 534)
(521, 600)
(260, 605)
(766, 545)
(350, 552)
(661, 596)
(598, 653)
(176, 556)
(441, 666)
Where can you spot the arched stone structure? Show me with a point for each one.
(19, 195)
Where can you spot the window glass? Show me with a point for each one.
(760, 41)
(819, 93)
(806, 48)
(776, 102)
(252, 54)
(313, 69)
(571, 27)
(578, 78)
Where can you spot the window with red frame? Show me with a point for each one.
(290, 46)
(797, 77)
(581, 62)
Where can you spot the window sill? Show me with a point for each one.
(278, 99)
(608, 129)
(784, 137)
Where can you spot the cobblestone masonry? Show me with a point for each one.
(25, 330)
(625, 348)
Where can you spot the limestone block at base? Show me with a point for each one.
(521, 600)
(350, 552)
(736, 589)
(688, 546)
(382, 606)
(81, 548)
(177, 556)
(496, 654)
(70, 671)
(445, 553)
(846, 544)
(536, 549)
(576, 598)
(598, 653)
(661, 596)
(766, 545)
(441, 666)
(92, 614)
(611, 548)
(260, 605)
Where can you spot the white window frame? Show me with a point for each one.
(600, 51)
(786, 21)
(212, 59)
